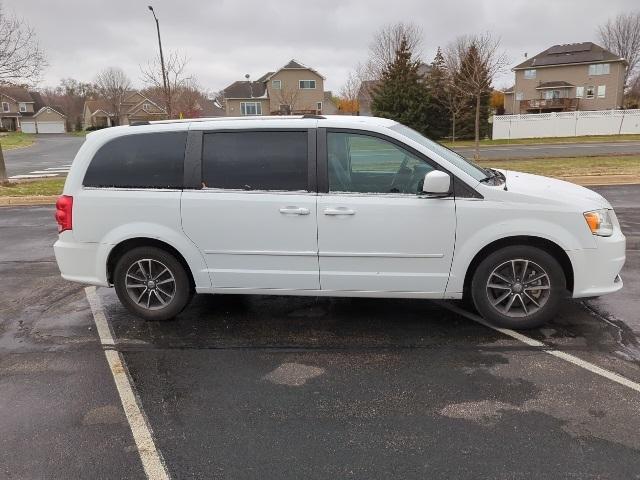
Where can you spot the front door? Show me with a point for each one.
(254, 220)
(376, 233)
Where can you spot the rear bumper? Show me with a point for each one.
(596, 271)
(78, 262)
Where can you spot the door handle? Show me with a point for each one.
(294, 211)
(339, 211)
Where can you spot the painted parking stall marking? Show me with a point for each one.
(614, 377)
(150, 456)
(46, 173)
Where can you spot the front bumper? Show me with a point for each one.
(596, 271)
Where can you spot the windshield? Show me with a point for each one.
(476, 171)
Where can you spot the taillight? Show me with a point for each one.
(64, 209)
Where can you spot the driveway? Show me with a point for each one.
(49, 155)
(283, 387)
(505, 152)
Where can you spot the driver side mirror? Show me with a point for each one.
(436, 182)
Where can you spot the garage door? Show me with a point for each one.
(28, 127)
(51, 127)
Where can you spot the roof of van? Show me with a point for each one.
(347, 119)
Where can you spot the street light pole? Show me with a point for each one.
(164, 73)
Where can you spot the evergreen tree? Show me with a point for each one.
(401, 94)
(437, 111)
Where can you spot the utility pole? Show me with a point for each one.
(165, 81)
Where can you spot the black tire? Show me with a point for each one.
(153, 259)
(519, 315)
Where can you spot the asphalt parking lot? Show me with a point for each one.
(283, 387)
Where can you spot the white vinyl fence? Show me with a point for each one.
(566, 124)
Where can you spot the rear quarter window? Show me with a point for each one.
(144, 160)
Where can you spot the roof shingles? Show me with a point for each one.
(584, 52)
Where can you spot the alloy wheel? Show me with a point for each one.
(518, 288)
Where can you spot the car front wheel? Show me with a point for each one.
(151, 283)
(518, 287)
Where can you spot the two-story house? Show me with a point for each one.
(134, 107)
(293, 89)
(577, 76)
(23, 110)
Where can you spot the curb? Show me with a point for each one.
(32, 200)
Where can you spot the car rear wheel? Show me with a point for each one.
(151, 283)
(518, 287)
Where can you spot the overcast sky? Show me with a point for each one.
(225, 39)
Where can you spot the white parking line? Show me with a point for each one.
(151, 458)
(614, 377)
(18, 177)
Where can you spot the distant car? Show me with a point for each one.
(325, 206)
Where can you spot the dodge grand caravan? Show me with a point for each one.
(336, 206)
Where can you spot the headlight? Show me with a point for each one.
(599, 222)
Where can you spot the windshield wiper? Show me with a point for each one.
(491, 174)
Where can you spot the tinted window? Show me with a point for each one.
(366, 164)
(146, 160)
(255, 160)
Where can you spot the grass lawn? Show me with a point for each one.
(524, 141)
(15, 140)
(576, 166)
(79, 133)
(49, 186)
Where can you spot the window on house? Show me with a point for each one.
(519, 96)
(146, 106)
(579, 92)
(307, 84)
(530, 74)
(319, 106)
(601, 90)
(23, 107)
(5, 107)
(551, 94)
(591, 91)
(599, 69)
(276, 84)
(250, 108)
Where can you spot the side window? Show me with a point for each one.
(366, 164)
(255, 160)
(144, 160)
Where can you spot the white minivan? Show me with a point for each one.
(325, 206)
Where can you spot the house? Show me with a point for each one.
(365, 92)
(565, 78)
(292, 89)
(22, 110)
(135, 107)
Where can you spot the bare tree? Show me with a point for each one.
(351, 87)
(385, 43)
(287, 96)
(21, 60)
(621, 35)
(113, 84)
(476, 59)
(177, 79)
(454, 101)
(348, 95)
